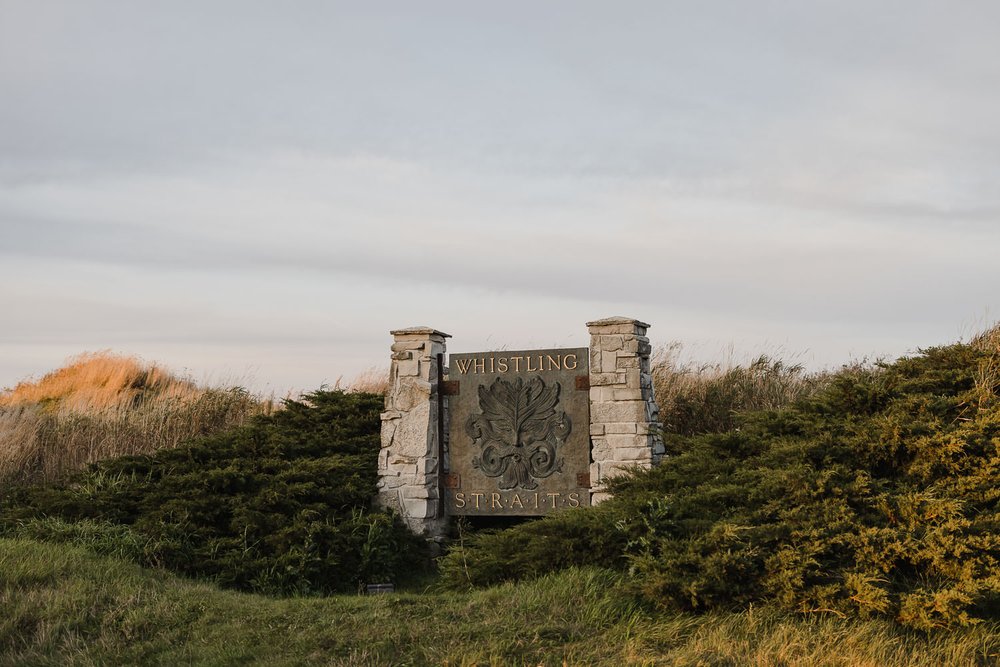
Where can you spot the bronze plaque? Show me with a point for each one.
(519, 440)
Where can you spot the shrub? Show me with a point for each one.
(279, 506)
(533, 548)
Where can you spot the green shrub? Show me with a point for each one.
(878, 496)
(279, 506)
(533, 548)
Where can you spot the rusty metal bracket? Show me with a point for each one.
(453, 480)
(449, 387)
(583, 479)
(583, 382)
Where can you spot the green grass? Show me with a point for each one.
(65, 605)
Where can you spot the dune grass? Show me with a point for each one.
(64, 605)
(103, 405)
(697, 398)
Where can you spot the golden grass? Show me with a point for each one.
(374, 380)
(706, 397)
(98, 381)
(102, 405)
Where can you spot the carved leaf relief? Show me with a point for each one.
(519, 431)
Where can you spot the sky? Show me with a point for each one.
(259, 192)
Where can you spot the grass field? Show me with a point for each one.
(64, 605)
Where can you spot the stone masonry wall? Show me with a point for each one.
(624, 418)
(408, 464)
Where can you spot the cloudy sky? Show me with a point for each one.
(263, 190)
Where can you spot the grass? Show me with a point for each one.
(102, 406)
(699, 398)
(65, 605)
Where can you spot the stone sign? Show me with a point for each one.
(519, 442)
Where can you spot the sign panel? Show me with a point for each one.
(519, 440)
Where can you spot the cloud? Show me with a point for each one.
(190, 174)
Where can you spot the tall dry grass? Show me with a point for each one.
(103, 405)
(707, 397)
(374, 380)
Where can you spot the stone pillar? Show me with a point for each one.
(624, 418)
(408, 464)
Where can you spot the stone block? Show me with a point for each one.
(403, 471)
(630, 394)
(604, 379)
(408, 368)
(601, 452)
(633, 454)
(417, 508)
(414, 431)
(616, 325)
(595, 358)
(387, 482)
(624, 440)
(625, 427)
(412, 393)
(408, 346)
(611, 342)
(627, 362)
(609, 362)
(597, 429)
(598, 497)
(620, 411)
(420, 492)
(420, 333)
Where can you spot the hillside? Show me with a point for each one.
(103, 405)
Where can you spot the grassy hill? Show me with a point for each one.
(63, 605)
(847, 518)
(104, 405)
